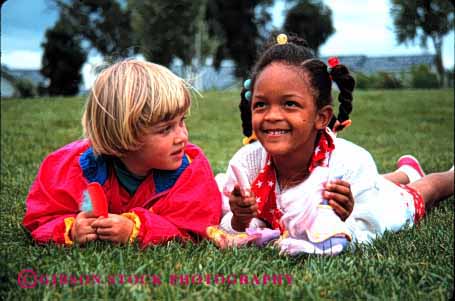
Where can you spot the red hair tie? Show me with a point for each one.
(333, 61)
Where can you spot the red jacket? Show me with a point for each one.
(169, 204)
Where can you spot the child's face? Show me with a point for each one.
(163, 146)
(284, 113)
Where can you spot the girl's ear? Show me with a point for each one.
(324, 115)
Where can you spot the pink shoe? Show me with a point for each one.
(412, 162)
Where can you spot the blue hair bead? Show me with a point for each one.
(248, 95)
(247, 84)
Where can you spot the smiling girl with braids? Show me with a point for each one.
(278, 181)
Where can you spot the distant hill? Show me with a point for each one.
(207, 78)
(389, 64)
(9, 76)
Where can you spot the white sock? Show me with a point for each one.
(412, 174)
(451, 169)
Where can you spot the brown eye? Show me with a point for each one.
(291, 104)
(258, 104)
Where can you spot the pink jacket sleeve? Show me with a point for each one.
(54, 195)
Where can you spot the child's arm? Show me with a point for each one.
(241, 211)
(241, 201)
(53, 200)
(156, 228)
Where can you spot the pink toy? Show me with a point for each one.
(242, 180)
(95, 200)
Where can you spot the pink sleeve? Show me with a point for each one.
(54, 196)
(156, 229)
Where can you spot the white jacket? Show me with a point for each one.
(379, 204)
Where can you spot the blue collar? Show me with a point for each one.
(95, 169)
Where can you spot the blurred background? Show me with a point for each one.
(56, 47)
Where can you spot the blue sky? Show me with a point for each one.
(362, 27)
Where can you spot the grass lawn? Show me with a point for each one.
(414, 264)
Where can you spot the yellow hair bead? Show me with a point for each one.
(282, 39)
(248, 140)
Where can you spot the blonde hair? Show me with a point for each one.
(126, 99)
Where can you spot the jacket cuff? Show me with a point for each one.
(137, 224)
(69, 221)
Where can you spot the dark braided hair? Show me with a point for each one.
(297, 53)
(321, 86)
(345, 83)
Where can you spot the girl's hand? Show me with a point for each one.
(243, 209)
(339, 195)
(82, 231)
(115, 228)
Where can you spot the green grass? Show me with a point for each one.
(414, 264)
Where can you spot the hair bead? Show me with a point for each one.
(282, 39)
(247, 84)
(248, 95)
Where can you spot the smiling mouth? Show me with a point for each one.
(275, 132)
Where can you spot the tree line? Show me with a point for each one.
(193, 30)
